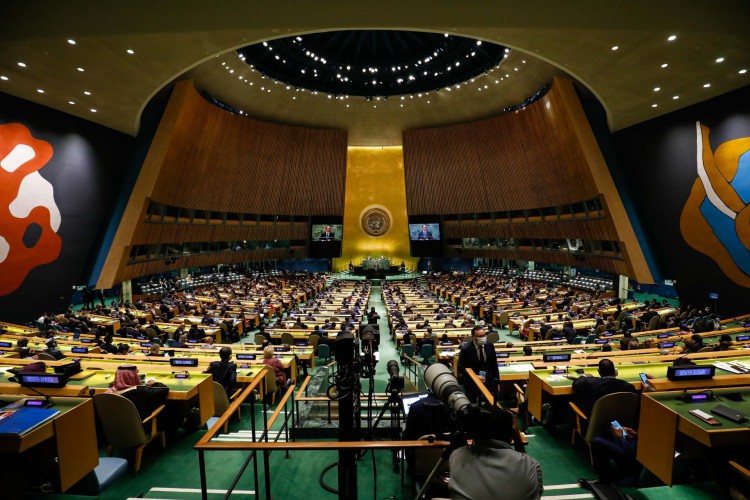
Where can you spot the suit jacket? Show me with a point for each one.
(589, 389)
(424, 235)
(468, 357)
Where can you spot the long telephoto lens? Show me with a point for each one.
(444, 385)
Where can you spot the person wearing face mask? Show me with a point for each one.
(479, 355)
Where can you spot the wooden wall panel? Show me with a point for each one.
(590, 229)
(221, 161)
(525, 159)
(176, 233)
(160, 266)
(617, 266)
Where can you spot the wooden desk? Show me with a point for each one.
(73, 438)
(665, 419)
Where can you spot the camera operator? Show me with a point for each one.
(479, 355)
(427, 416)
(490, 468)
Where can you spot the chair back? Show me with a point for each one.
(493, 337)
(591, 339)
(706, 349)
(312, 341)
(221, 401)
(621, 316)
(324, 351)
(620, 406)
(426, 350)
(259, 339)
(270, 379)
(171, 342)
(287, 338)
(120, 421)
(502, 320)
(43, 356)
(653, 323)
(407, 350)
(578, 340)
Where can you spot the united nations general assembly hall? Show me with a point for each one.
(394, 250)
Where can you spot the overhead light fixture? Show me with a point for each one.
(706, 85)
(657, 89)
(742, 71)
(22, 64)
(671, 38)
(130, 51)
(719, 59)
(87, 92)
(80, 69)
(71, 102)
(664, 65)
(3, 77)
(654, 105)
(675, 97)
(615, 47)
(41, 91)
(93, 110)
(71, 41)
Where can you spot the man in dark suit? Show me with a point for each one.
(327, 235)
(424, 234)
(224, 370)
(589, 389)
(479, 355)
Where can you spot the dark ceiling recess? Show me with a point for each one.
(373, 62)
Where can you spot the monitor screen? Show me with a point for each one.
(246, 356)
(326, 232)
(429, 231)
(42, 379)
(690, 372)
(410, 400)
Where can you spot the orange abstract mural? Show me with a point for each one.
(29, 217)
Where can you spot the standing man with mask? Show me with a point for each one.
(479, 355)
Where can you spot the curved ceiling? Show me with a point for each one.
(104, 63)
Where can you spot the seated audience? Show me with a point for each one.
(224, 371)
(278, 368)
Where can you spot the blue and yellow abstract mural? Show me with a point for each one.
(716, 217)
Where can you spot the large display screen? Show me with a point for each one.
(326, 232)
(325, 236)
(424, 232)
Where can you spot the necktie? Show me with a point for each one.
(481, 355)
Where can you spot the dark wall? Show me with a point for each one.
(85, 170)
(660, 160)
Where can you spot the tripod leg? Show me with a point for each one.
(430, 478)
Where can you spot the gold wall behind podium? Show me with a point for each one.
(375, 178)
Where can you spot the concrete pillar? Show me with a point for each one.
(127, 291)
(566, 270)
(531, 265)
(183, 273)
(622, 287)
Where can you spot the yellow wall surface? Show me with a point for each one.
(375, 179)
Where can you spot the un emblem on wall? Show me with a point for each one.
(375, 220)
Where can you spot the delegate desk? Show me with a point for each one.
(665, 419)
(543, 383)
(181, 391)
(70, 438)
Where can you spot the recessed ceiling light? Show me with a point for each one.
(615, 47)
(706, 85)
(742, 71)
(93, 110)
(675, 97)
(719, 59)
(3, 77)
(664, 65)
(71, 41)
(80, 69)
(22, 64)
(654, 105)
(41, 91)
(130, 51)
(87, 92)
(657, 89)
(672, 38)
(71, 102)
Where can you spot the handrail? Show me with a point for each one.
(279, 407)
(209, 435)
(480, 385)
(318, 445)
(303, 387)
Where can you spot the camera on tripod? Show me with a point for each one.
(395, 380)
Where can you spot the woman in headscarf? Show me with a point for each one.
(146, 397)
